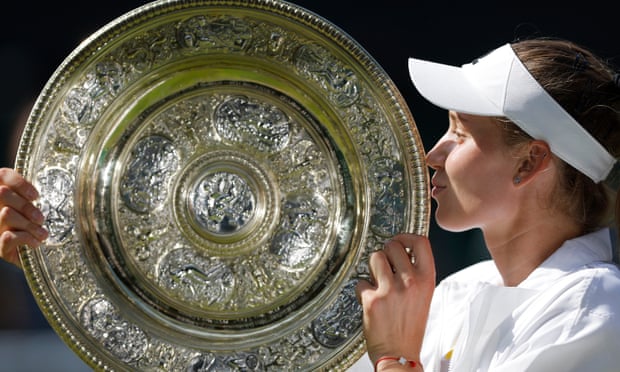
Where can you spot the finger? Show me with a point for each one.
(362, 287)
(421, 248)
(380, 269)
(11, 220)
(10, 198)
(15, 181)
(10, 241)
(398, 256)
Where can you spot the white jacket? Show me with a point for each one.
(564, 317)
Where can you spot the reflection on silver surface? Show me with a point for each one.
(214, 176)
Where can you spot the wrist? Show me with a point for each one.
(389, 362)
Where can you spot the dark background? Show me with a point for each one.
(36, 37)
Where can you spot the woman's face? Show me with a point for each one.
(474, 173)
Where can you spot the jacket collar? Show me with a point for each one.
(574, 253)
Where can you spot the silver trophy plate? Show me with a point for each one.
(214, 175)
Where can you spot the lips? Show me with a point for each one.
(438, 187)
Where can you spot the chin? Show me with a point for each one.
(450, 223)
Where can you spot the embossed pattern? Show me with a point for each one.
(144, 185)
(214, 175)
(222, 202)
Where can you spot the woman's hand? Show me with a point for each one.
(397, 300)
(20, 221)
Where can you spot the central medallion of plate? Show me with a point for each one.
(228, 195)
(222, 203)
(227, 202)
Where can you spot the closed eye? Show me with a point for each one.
(458, 133)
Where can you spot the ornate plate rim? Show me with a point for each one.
(41, 285)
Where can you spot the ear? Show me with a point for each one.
(536, 159)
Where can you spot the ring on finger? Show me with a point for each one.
(411, 255)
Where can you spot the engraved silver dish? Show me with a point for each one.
(214, 175)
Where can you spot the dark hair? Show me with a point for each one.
(587, 88)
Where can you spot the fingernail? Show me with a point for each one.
(41, 233)
(32, 194)
(37, 216)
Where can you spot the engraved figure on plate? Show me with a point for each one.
(338, 322)
(222, 203)
(123, 339)
(340, 81)
(214, 32)
(144, 184)
(204, 281)
(56, 187)
(245, 121)
(303, 225)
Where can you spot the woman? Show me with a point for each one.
(550, 298)
(517, 164)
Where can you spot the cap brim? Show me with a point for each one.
(448, 87)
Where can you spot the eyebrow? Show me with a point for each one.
(454, 118)
(461, 117)
(458, 120)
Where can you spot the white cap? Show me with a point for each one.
(498, 84)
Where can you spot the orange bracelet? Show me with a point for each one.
(400, 360)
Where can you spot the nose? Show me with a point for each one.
(436, 157)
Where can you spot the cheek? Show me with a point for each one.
(470, 165)
(464, 162)
(478, 181)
